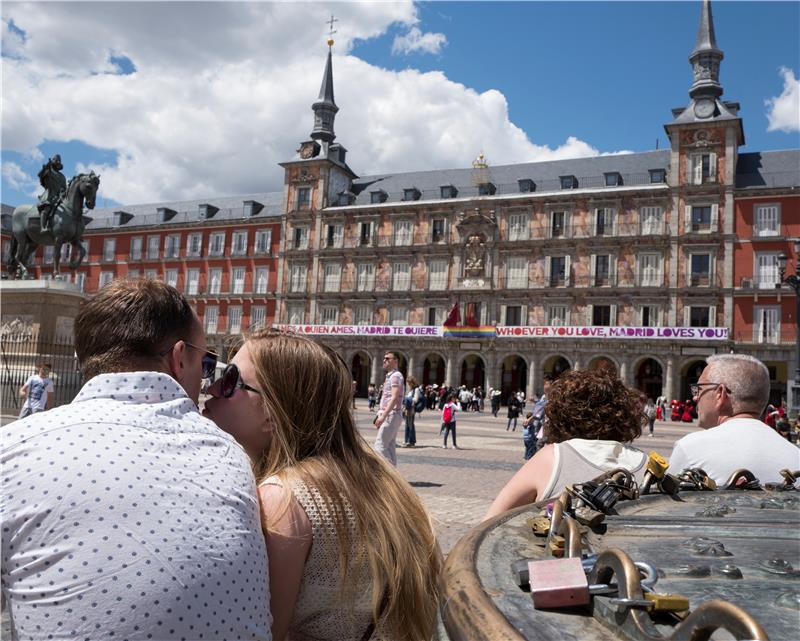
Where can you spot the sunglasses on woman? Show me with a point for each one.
(231, 379)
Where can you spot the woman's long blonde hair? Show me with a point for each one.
(306, 392)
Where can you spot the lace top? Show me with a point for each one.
(323, 610)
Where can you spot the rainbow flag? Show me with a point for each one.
(483, 331)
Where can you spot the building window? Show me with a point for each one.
(650, 273)
(398, 315)
(300, 240)
(558, 224)
(437, 230)
(526, 185)
(105, 279)
(411, 194)
(377, 197)
(699, 316)
(171, 277)
(437, 275)
(153, 246)
(513, 315)
(604, 222)
(486, 189)
(258, 316)
(295, 313)
(767, 325)
(601, 315)
(701, 218)
(767, 219)
(211, 317)
(557, 315)
(216, 243)
(613, 179)
(172, 245)
(192, 282)
(303, 197)
(263, 241)
(261, 280)
(703, 168)
(332, 277)
(297, 278)
(49, 250)
(558, 271)
(651, 220)
(658, 175)
(365, 277)
(767, 270)
(80, 280)
(403, 232)
(151, 273)
(363, 315)
(194, 244)
(239, 243)
(365, 237)
(335, 236)
(7, 251)
(237, 280)
(215, 280)
(448, 191)
(516, 272)
(650, 316)
(328, 315)
(109, 250)
(133, 273)
(234, 319)
(700, 270)
(601, 270)
(401, 276)
(568, 182)
(518, 227)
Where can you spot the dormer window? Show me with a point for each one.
(448, 191)
(345, 198)
(526, 185)
(411, 193)
(613, 179)
(252, 207)
(121, 218)
(165, 214)
(658, 175)
(206, 211)
(568, 182)
(486, 189)
(377, 197)
(303, 197)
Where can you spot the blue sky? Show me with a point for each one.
(172, 101)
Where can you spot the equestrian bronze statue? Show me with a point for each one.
(57, 219)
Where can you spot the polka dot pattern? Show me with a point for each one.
(127, 515)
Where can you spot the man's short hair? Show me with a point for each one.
(395, 355)
(746, 377)
(128, 324)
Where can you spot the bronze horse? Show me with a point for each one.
(66, 227)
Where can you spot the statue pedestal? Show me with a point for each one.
(38, 318)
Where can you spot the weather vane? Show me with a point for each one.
(331, 30)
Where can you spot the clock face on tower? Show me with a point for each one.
(704, 108)
(306, 151)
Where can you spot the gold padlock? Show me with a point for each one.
(539, 524)
(666, 602)
(657, 465)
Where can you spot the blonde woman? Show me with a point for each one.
(352, 555)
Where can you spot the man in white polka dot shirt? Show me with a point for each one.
(126, 514)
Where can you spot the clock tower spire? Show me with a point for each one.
(706, 58)
(325, 108)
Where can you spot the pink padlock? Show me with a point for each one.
(558, 583)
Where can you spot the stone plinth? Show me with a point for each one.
(41, 307)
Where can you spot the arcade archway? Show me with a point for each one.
(433, 370)
(690, 372)
(648, 378)
(513, 376)
(473, 372)
(556, 365)
(361, 369)
(603, 363)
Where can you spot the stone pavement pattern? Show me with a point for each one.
(458, 486)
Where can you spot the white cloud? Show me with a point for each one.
(416, 41)
(783, 112)
(16, 178)
(222, 92)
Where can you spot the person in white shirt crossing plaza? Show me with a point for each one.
(37, 391)
(127, 513)
(390, 412)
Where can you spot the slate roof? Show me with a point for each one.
(768, 169)
(546, 176)
(229, 208)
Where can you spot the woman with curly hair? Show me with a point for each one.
(589, 418)
(352, 554)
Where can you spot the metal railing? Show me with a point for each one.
(22, 352)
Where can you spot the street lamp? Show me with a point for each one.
(793, 281)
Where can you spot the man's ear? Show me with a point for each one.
(175, 360)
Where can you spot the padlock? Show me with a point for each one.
(539, 524)
(586, 515)
(560, 583)
(555, 545)
(653, 602)
(670, 485)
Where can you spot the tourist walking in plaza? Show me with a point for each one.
(514, 409)
(650, 413)
(390, 410)
(410, 403)
(449, 420)
(372, 397)
(37, 392)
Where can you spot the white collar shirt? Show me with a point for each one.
(128, 515)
